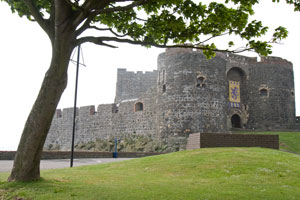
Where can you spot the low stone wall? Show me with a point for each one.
(233, 140)
(10, 155)
(7, 155)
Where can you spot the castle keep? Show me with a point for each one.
(186, 94)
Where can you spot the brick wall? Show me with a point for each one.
(233, 140)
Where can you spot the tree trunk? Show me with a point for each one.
(27, 160)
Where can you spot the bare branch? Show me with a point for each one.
(107, 29)
(214, 36)
(240, 50)
(100, 41)
(108, 45)
(144, 20)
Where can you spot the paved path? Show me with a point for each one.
(6, 165)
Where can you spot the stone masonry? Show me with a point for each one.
(158, 110)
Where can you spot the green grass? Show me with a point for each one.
(212, 173)
(289, 141)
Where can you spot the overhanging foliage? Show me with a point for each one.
(160, 23)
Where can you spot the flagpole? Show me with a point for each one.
(75, 104)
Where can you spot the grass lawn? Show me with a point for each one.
(289, 141)
(212, 173)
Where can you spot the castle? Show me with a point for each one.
(186, 94)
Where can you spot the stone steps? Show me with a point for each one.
(193, 141)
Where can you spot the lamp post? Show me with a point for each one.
(75, 103)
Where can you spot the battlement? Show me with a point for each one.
(123, 71)
(85, 111)
(187, 94)
(224, 55)
(231, 57)
(238, 58)
(277, 60)
(67, 113)
(125, 106)
(172, 51)
(131, 85)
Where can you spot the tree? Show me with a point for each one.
(159, 23)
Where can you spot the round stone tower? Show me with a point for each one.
(272, 99)
(191, 93)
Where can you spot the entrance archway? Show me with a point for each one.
(236, 121)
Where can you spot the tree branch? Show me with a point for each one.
(122, 8)
(75, 5)
(140, 19)
(100, 41)
(52, 17)
(108, 10)
(107, 29)
(214, 36)
(88, 15)
(38, 17)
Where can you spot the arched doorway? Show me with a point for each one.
(236, 121)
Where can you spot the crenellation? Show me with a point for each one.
(241, 59)
(272, 60)
(58, 113)
(131, 85)
(104, 108)
(121, 70)
(158, 110)
(68, 113)
(87, 111)
(171, 51)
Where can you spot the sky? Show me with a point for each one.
(25, 54)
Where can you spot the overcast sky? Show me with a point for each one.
(25, 54)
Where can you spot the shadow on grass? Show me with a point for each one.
(27, 190)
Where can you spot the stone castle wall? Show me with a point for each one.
(275, 109)
(131, 85)
(184, 107)
(100, 124)
(187, 94)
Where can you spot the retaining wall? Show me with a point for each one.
(232, 140)
(10, 155)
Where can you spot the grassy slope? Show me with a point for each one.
(289, 141)
(213, 173)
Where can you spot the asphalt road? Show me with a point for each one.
(6, 165)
